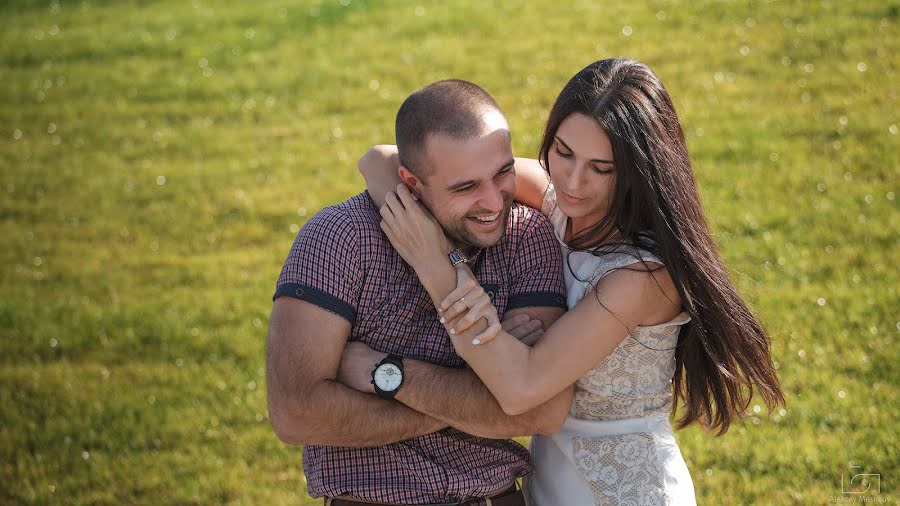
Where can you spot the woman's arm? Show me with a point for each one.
(522, 377)
(421, 242)
(531, 182)
(379, 165)
(379, 168)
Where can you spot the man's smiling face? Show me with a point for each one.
(470, 185)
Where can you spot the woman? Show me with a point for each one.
(653, 318)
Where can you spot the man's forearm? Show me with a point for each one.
(460, 399)
(344, 417)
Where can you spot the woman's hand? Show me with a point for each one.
(413, 231)
(469, 303)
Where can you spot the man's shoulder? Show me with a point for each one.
(356, 213)
(524, 220)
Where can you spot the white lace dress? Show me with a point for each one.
(616, 446)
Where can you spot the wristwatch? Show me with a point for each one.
(458, 257)
(388, 376)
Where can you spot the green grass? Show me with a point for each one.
(156, 160)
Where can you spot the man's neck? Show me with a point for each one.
(468, 250)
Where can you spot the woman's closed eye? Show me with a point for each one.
(603, 170)
(560, 152)
(564, 152)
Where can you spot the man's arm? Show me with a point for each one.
(459, 398)
(306, 404)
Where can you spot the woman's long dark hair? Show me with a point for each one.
(723, 354)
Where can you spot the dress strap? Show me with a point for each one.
(548, 206)
(618, 257)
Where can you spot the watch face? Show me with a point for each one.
(388, 377)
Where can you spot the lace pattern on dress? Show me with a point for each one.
(622, 469)
(635, 379)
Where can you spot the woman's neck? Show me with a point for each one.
(576, 225)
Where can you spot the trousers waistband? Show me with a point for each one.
(509, 497)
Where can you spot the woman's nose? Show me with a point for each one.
(576, 175)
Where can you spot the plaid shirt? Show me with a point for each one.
(343, 262)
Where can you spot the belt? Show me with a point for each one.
(509, 497)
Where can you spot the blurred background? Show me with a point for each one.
(158, 158)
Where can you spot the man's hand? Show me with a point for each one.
(357, 363)
(523, 328)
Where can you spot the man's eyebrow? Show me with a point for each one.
(599, 160)
(455, 186)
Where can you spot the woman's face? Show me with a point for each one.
(582, 170)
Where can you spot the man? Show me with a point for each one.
(343, 282)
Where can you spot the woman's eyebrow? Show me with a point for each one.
(599, 160)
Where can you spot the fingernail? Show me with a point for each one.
(442, 320)
(452, 332)
(476, 342)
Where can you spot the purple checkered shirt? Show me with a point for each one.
(343, 262)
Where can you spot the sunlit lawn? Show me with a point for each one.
(156, 160)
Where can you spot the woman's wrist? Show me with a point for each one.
(438, 277)
(433, 263)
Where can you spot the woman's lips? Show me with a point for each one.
(570, 199)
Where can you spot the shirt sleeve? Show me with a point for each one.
(537, 275)
(323, 266)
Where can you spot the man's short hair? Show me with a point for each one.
(452, 107)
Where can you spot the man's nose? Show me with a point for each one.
(491, 198)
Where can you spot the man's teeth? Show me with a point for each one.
(487, 219)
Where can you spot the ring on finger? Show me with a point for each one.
(463, 300)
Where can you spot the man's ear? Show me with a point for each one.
(410, 180)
